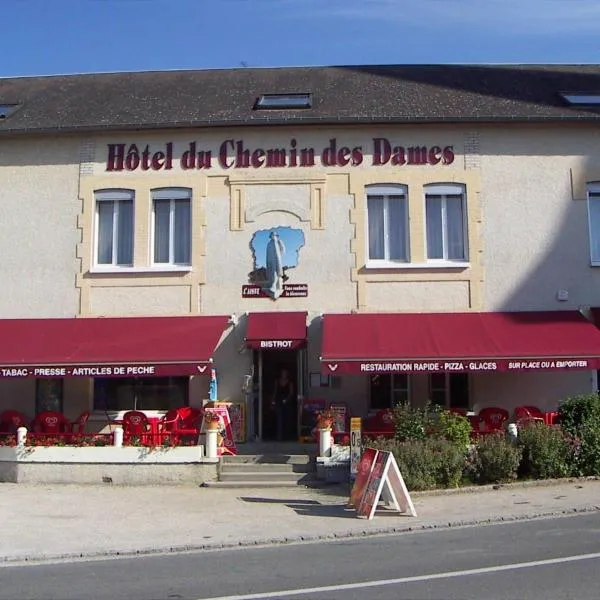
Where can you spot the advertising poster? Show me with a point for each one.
(362, 476)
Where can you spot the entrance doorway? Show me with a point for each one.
(279, 389)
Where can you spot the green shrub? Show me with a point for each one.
(546, 452)
(495, 459)
(411, 423)
(426, 464)
(580, 419)
(577, 412)
(453, 427)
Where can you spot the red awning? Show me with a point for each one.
(276, 330)
(461, 342)
(108, 347)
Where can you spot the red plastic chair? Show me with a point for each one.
(168, 427)
(51, 422)
(381, 424)
(526, 415)
(136, 427)
(190, 423)
(492, 419)
(11, 420)
(78, 425)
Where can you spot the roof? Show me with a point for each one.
(371, 343)
(340, 95)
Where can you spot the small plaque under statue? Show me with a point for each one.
(292, 290)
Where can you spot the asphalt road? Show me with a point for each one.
(530, 560)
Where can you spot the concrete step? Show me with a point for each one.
(264, 459)
(253, 467)
(312, 483)
(266, 476)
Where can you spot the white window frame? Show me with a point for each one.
(593, 194)
(116, 195)
(393, 388)
(444, 190)
(171, 194)
(387, 190)
(447, 388)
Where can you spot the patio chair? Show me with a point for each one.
(190, 423)
(51, 422)
(136, 427)
(526, 415)
(78, 425)
(11, 420)
(492, 419)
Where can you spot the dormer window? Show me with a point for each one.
(283, 101)
(7, 109)
(581, 98)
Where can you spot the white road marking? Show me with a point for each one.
(416, 578)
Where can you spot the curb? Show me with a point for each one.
(8, 561)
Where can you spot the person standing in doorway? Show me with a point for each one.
(283, 402)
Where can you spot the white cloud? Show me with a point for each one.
(533, 17)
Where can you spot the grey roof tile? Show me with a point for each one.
(341, 94)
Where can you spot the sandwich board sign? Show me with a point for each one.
(365, 466)
(384, 482)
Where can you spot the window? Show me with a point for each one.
(114, 227)
(7, 109)
(387, 219)
(48, 395)
(593, 196)
(581, 98)
(283, 101)
(445, 214)
(450, 390)
(143, 393)
(388, 391)
(172, 217)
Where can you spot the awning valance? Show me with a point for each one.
(276, 330)
(461, 342)
(109, 347)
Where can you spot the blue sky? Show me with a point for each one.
(42, 37)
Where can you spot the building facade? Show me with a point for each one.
(342, 222)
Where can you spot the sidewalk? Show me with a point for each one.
(52, 522)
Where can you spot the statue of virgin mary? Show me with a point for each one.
(274, 266)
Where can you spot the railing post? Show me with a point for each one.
(325, 442)
(118, 437)
(21, 436)
(211, 443)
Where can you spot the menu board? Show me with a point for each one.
(227, 445)
(340, 409)
(309, 407)
(237, 415)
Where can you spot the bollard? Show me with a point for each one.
(21, 436)
(325, 442)
(118, 437)
(211, 443)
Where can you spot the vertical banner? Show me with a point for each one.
(355, 444)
